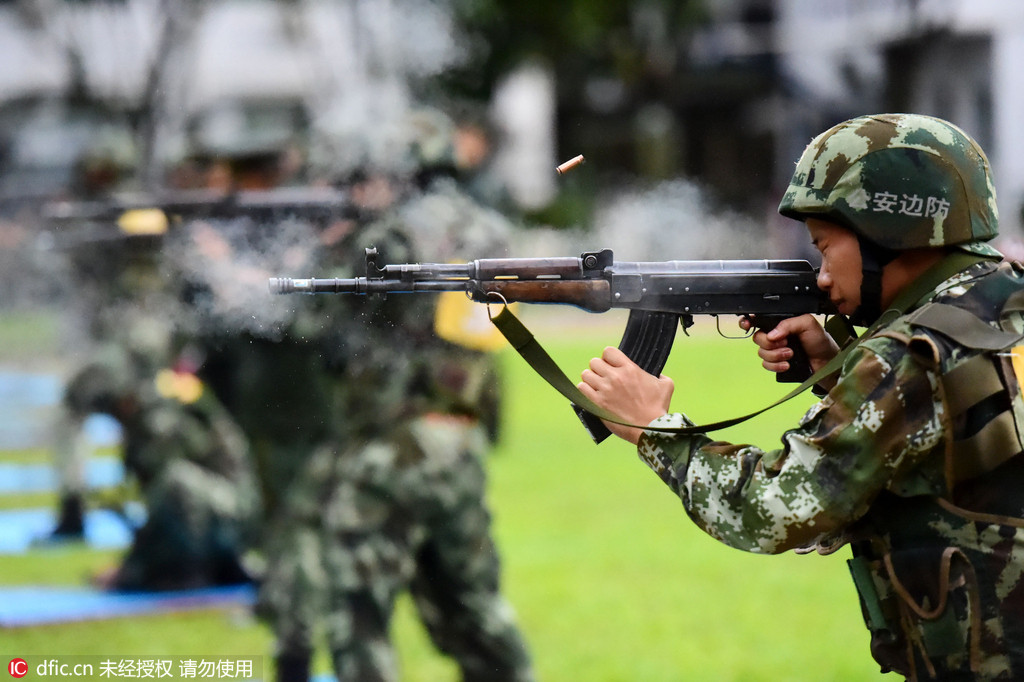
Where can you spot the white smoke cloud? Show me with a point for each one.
(671, 220)
(226, 266)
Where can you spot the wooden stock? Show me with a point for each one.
(593, 295)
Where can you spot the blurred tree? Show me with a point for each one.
(636, 41)
(71, 25)
(616, 66)
(649, 88)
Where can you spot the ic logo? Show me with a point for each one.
(17, 667)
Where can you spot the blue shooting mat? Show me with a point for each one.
(24, 605)
(100, 472)
(28, 406)
(21, 528)
(25, 529)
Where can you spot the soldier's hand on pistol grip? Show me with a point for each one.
(773, 347)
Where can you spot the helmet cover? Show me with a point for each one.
(901, 181)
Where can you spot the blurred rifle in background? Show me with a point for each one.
(151, 214)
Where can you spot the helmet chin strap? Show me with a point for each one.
(873, 258)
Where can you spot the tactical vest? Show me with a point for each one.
(939, 558)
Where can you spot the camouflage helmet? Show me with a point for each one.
(431, 135)
(401, 143)
(901, 181)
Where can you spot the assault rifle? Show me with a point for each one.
(659, 295)
(151, 214)
(265, 204)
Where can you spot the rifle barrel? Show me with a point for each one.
(361, 285)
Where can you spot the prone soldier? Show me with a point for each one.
(181, 447)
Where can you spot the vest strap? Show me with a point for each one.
(993, 445)
(963, 327)
(971, 382)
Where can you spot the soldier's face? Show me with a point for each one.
(840, 275)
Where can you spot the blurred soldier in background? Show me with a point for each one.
(180, 446)
(190, 461)
(370, 429)
(95, 254)
(473, 147)
(243, 144)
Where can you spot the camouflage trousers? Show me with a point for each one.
(383, 517)
(194, 534)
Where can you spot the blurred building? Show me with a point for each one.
(829, 60)
(174, 67)
(51, 147)
(730, 100)
(746, 89)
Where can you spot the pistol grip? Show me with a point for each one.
(799, 365)
(647, 341)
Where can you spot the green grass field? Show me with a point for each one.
(610, 579)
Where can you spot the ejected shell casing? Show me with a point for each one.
(570, 164)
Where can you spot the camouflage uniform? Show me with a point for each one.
(367, 429)
(179, 444)
(913, 457)
(395, 500)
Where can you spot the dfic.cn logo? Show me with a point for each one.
(17, 667)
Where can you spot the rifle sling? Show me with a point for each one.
(523, 341)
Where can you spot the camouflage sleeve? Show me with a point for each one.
(883, 418)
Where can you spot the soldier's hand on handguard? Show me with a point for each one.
(773, 347)
(619, 385)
